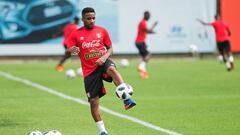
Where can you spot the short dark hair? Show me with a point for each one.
(146, 13)
(87, 10)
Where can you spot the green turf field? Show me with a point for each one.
(190, 97)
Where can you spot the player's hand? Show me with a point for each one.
(155, 23)
(74, 50)
(101, 61)
(199, 20)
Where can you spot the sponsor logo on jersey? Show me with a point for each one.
(93, 54)
(91, 44)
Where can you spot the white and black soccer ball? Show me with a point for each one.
(193, 48)
(36, 132)
(220, 58)
(124, 91)
(52, 132)
(79, 71)
(70, 73)
(124, 62)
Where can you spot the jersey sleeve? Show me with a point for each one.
(106, 40)
(213, 23)
(71, 40)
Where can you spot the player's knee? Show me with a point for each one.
(93, 102)
(111, 70)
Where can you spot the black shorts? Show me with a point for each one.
(142, 49)
(94, 82)
(223, 46)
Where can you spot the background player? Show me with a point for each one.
(223, 34)
(67, 30)
(141, 45)
(93, 46)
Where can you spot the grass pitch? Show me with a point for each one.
(191, 97)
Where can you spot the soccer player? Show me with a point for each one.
(223, 34)
(93, 46)
(143, 30)
(67, 30)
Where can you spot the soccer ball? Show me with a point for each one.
(70, 73)
(36, 132)
(193, 48)
(220, 58)
(124, 62)
(52, 132)
(124, 91)
(79, 71)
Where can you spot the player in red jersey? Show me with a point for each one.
(67, 30)
(140, 43)
(223, 34)
(93, 46)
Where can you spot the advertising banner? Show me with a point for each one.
(29, 27)
(177, 27)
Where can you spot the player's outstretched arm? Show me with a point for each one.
(202, 22)
(151, 31)
(154, 25)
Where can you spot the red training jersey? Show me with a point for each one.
(221, 30)
(92, 45)
(67, 30)
(142, 34)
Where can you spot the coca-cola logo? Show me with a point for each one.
(93, 43)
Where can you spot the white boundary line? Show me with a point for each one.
(80, 101)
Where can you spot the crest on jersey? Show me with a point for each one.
(98, 35)
(81, 38)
